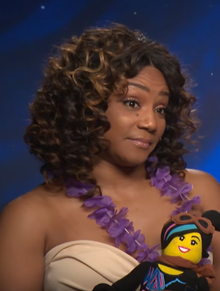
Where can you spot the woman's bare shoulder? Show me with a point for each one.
(24, 223)
(206, 186)
(33, 206)
(200, 179)
(196, 173)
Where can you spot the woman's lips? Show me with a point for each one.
(142, 143)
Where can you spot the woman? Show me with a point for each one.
(111, 111)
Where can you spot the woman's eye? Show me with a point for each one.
(131, 103)
(182, 237)
(161, 110)
(193, 242)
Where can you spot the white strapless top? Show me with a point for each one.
(81, 265)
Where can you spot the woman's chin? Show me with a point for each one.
(125, 160)
(132, 163)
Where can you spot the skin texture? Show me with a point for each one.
(36, 222)
(138, 115)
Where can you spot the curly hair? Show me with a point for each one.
(68, 113)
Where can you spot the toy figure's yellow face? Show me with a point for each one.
(187, 246)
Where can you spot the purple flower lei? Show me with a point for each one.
(115, 221)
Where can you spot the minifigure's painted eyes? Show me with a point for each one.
(193, 242)
(182, 237)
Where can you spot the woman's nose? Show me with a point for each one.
(147, 120)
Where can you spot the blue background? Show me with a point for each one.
(29, 31)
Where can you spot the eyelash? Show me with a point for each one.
(159, 109)
(131, 100)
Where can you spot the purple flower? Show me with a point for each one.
(205, 261)
(121, 213)
(187, 205)
(162, 176)
(176, 189)
(142, 246)
(102, 216)
(76, 188)
(117, 228)
(115, 222)
(152, 159)
(152, 256)
(144, 250)
(122, 238)
(147, 254)
(157, 183)
(171, 186)
(181, 192)
(101, 201)
(209, 249)
(133, 241)
(149, 170)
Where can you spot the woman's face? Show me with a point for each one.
(138, 119)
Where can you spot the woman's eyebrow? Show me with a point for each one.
(145, 88)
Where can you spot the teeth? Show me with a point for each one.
(183, 250)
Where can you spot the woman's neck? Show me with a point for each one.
(108, 175)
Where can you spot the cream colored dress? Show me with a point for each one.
(81, 265)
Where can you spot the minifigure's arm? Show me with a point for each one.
(133, 279)
(129, 282)
(203, 284)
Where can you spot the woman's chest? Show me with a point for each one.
(147, 213)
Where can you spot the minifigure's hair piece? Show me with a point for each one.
(187, 227)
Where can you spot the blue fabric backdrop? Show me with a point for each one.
(30, 29)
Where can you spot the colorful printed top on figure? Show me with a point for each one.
(185, 239)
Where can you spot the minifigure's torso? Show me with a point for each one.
(163, 277)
